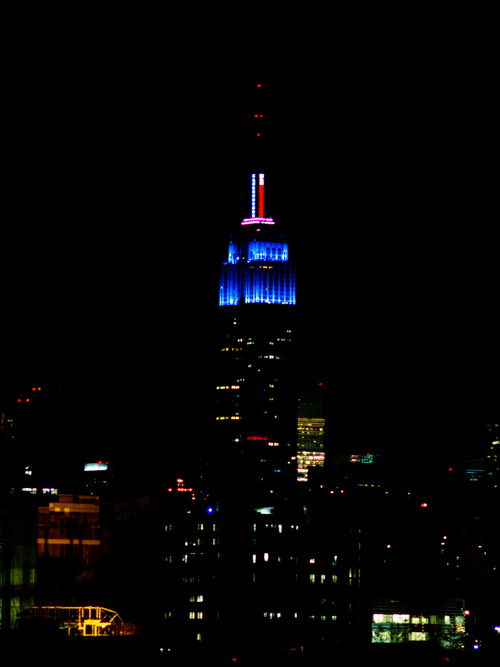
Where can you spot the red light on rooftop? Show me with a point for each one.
(259, 85)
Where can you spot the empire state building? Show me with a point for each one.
(256, 398)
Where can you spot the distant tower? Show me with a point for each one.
(256, 398)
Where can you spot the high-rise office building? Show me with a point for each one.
(310, 432)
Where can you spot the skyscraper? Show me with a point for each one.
(256, 399)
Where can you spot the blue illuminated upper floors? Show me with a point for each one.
(271, 283)
(253, 251)
(258, 270)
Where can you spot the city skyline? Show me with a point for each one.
(374, 190)
(168, 452)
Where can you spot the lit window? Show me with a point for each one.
(382, 618)
(400, 618)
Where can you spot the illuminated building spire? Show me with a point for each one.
(257, 195)
(261, 195)
(258, 268)
(253, 196)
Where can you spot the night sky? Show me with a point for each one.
(128, 169)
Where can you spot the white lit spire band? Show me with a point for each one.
(254, 195)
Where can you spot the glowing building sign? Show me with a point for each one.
(94, 467)
(258, 267)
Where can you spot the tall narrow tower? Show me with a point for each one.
(256, 399)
